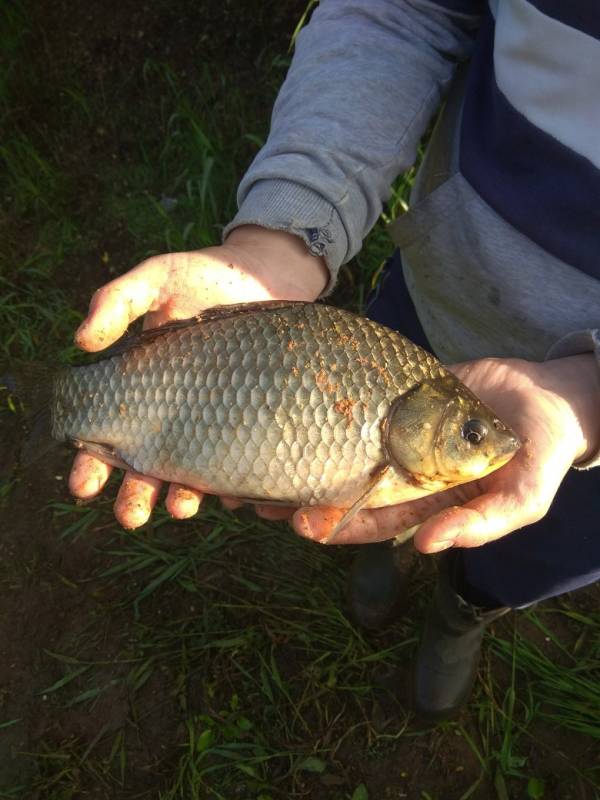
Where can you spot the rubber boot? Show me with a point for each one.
(448, 655)
(377, 583)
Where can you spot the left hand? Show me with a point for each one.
(554, 406)
(254, 264)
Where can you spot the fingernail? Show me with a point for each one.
(407, 534)
(136, 515)
(304, 525)
(442, 544)
(91, 486)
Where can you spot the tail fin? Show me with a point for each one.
(25, 413)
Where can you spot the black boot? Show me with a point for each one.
(448, 655)
(377, 584)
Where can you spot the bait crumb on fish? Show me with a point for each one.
(345, 407)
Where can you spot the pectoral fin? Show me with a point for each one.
(104, 452)
(374, 482)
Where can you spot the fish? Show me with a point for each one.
(281, 402)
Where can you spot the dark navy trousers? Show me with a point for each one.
(559, 553)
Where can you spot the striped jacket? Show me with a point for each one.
(501, 246)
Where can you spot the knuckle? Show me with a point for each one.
(106, 295)
(105, 291)
(150, 262)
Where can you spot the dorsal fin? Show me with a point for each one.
(126, 343)
(234, 310)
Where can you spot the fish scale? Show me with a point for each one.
(280, 403)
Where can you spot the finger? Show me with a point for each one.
(317, 522)
(182, 502)
(88, 476)
(117, 304)
(136, 499)
(482, 520)
(522, 495)
(274, 512)
(231, 503)
(442, 531)
(372, 525)
(375, 525)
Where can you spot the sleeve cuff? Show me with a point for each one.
(287, 206)
(573, 344)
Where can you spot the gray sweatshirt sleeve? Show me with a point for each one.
(365, 80)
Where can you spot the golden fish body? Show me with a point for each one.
(296, 403)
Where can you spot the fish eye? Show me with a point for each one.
(474, 431)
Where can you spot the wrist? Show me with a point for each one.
(576, 381)
(281, 261)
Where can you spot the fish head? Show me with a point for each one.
(443, 435)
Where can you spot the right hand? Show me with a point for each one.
(254, 264)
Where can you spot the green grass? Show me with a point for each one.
(181, 188)
(243, 621)
(212, 659)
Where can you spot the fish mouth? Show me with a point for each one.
(510, 446)
(502, 458)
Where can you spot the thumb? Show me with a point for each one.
(117, 304)
(518, 495)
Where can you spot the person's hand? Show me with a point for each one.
(254, 264)
(554, 406)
